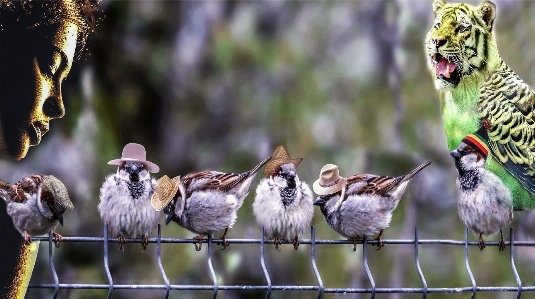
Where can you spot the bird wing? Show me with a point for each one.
(509, 103)
(373, 184)
(213, 180)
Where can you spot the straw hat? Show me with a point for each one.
(330, 181)
(58, 190)
(166, 189)
(135, 152)
(280, 157)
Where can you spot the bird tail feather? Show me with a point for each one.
(415, 171)
(259, 166)
(4, 185)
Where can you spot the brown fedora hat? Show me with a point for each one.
(166, 189)
(135, 152)
(330, 181)
(280, 157)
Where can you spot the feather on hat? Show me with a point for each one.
(280, 157)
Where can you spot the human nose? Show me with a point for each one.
(53, 105)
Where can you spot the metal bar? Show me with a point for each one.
(304, 241)
(365, 260)
(159, 256)
(472, 279)
(263, 263)
(52, 268)
(319, 289)
(285, 288)
(513, 267)
(210, 267)
(313, 257)
(417, 261)
(106, 265)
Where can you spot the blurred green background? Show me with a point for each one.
(218, 85)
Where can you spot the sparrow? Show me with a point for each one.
(208, 201)
(485, 204)
(283, 203)
(36, 205)
(360, 205)
(125, 197)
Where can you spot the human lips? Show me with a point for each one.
(39, 129)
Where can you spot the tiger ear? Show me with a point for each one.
(487, 12)
(438, 5)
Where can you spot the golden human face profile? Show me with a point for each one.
(33, 66)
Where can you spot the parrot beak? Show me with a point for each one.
(319, 202)
(60, 220)
(168, 218)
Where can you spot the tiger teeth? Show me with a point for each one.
(447, 74)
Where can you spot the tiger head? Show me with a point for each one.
(461, 42)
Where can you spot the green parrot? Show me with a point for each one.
(477, 88)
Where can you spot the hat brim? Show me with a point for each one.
(151, 167)
(165, 191)
(320, 190)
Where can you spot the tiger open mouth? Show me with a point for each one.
(446, 70)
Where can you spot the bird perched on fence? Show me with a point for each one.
(476, 87)
(485, 204)
(283, 203)
(125, 197)
(36, 205)
(207, 202)
(360, 205)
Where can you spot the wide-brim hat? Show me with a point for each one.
(280, 157)
(166, 189)
(135, 152)
(329, 181)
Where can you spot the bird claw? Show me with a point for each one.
(57, 239)
(144, 242)
(501, 244)
(224, 239)
(277, 243)
(198, 245)
(379, 241)
(481, 243)
(296, 243)
(122, 241)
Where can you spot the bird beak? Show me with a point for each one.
(291, 176)
(60, 220)
(168, 218)
(455, 154)
(319, 202)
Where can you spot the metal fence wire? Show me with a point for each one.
(268, 287)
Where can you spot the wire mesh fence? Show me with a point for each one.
(319, 289)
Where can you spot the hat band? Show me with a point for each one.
(479, 144)
(330, 184)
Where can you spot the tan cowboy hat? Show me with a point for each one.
(135, 152)
(330, 181)
(280, 157)
(166, 189)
